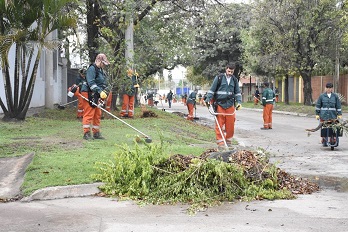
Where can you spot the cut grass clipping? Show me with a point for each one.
(149, 176)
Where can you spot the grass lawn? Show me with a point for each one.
(62, 157)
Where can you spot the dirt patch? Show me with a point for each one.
(180, 114)
(148, 114)
(38, 144)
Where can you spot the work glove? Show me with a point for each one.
(239, 106)
(317, 117)
(339, 116)
(103, 95)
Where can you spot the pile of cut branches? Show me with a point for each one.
(148, 175)
(256, 168)
(340, 126)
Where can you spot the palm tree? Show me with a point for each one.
(24, 27)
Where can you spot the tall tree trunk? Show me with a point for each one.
(286, 89)
(307, 87)
(93, 13)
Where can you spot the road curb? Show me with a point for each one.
(60, 192)
(280, 112)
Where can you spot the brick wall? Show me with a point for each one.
(319, 82)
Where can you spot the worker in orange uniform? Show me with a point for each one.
(191, 104)
(129, 85)
(223, 93)
(268, 99)
(74, 90)
(94, 89)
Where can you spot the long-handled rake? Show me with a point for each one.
(195, 118)
(147, 138)
(212, 112)
(63, 106)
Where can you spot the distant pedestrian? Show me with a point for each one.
(150, 99)
(256, 96)
(170, 98)
(268, 98)
(276, 91)
(199, 95)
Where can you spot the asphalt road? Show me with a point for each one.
(289, 146)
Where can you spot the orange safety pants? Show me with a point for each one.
(267, 115)
(127, 106)
(108, 102)
(190, 107)
(226, 123)
(80, 101)
(91, 116)
(79, 113)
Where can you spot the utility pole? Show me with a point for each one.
(337, 61)
(129, 53)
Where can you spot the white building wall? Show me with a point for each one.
(56, 76)
(38, 98)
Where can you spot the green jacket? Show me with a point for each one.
(328, 108)
(226, 94)
(95, 80)
(192, 98)
(128, 85)
(268, 96)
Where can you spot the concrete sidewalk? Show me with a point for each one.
(319, 212)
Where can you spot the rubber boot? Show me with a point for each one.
(97, 135)
(87, 136)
